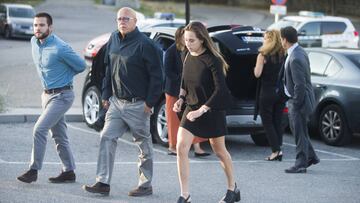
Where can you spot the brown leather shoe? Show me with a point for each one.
(141, 191)
(64, 177)
(98, 187)
(29, 176)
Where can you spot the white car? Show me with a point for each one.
(317, 30)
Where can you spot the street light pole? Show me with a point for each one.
(187, 11)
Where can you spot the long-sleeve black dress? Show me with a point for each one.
(204, 82)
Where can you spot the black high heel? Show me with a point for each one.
(278, 157)
(231, 196)
(183, 200)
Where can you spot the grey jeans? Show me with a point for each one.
(54, 107)
(121, 117)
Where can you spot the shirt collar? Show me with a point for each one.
(130, 35)
(291, 49)
(47, 40)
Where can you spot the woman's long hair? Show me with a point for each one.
(201, 33)
(179, 41)
(272, 48)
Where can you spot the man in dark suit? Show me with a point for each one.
(297, 86)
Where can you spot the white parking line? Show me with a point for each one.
(327, 152)
(121, 139)
(163, 152)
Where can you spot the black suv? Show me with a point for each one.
(238, 44)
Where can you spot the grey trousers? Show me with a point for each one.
(54, 107)
(298, 125)
(121, 117)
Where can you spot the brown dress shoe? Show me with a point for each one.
(64, 177)
(98, 187)
(141, 191)
(29, 176)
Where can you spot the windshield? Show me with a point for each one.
(355, 58)
(283, 23)
(21, 12)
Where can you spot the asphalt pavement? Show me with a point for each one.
(334, 180)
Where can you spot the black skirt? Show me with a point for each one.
(209, 125)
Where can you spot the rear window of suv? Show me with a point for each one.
(331, 28)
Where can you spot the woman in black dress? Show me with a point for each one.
(271, 105)
(205, 92)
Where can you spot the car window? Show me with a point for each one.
(163, 42)
(318, 62)
(21, 12)
(331, 28)
(2, 9)
(355, 58)
(333, 68)
(310, 29)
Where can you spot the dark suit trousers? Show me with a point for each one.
(298, 125)
(271, 108)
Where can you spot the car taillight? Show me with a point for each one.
(356, 33)
(286, 110)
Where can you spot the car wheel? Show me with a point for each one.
(332, 126)
(260, 139)
(7, 33)
(159, 126)
(91, 106)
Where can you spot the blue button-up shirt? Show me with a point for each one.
(56, 62)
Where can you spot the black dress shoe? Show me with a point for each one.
(183, 200)
(64, 177)
(313, 162)
(231, 196)
(141, 191)
(201, 154)
(295, 169)
(29, 176)
(98, 187)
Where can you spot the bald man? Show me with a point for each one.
(131, 87)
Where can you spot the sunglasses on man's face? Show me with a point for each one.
(124, 19)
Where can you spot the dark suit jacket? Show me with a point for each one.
(298, 82)
(173, 70)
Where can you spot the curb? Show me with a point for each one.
(24, 115)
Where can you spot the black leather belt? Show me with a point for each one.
(132, 100)
(57, 90)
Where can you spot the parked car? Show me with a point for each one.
(317, 30)
(16, 20)
(239, 46)
(335, 75)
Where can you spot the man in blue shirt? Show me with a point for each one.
(56, 64)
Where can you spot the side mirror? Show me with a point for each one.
(302, 33)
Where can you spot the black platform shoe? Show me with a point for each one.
(183, 200)
(231, 196)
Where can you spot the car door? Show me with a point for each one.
(318, 64)
(310, 35)
(332, 34)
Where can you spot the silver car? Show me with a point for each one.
(16, 20)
